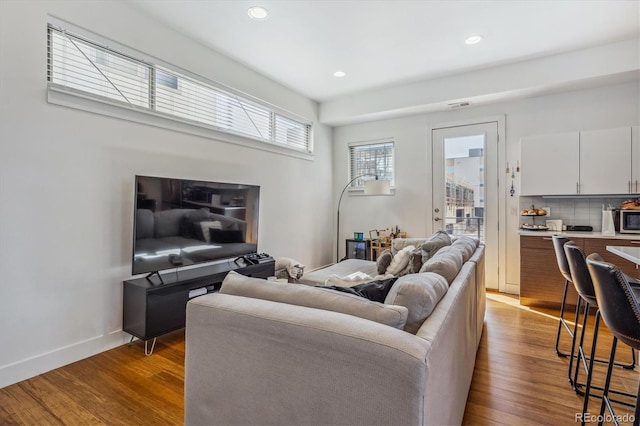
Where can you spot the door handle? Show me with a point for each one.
(436, 219)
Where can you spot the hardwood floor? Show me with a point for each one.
(518, 379)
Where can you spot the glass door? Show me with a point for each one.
(465, 190)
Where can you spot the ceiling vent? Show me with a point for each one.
(458, 105)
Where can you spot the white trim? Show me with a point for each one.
(87, 103)
(31, 367)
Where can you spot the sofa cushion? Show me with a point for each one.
(445, 262)
(400, 260)
(419, 293)
(187, 229)
(466, 246)
(384, 260)
(144, 224)
(314, 297)
(167, 222)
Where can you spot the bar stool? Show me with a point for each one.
(558, 245)
(619, 304)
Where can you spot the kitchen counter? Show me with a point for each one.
(578, 234)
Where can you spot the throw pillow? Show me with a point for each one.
(415, 261)
(435, 243)
(384, 260)
(204, 229)
(419, 293)
(226, 236)
(400, 261)
(376, 291)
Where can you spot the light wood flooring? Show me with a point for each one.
(518, 379)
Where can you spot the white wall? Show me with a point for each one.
(67, 182)
(410, 207)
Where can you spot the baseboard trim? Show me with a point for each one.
(38, 364)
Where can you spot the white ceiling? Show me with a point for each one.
(386, 43)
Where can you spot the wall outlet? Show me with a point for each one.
(548, 210)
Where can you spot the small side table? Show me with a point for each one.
(358, 249)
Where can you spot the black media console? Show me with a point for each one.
(152, 308)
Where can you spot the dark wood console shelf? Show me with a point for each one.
(152, 308)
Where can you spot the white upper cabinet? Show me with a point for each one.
(605, 161)
(635, 158)
(594, 162)
(549, 164)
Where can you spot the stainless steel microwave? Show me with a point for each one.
(630, 221)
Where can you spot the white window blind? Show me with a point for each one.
(87, 68)
(371, 159)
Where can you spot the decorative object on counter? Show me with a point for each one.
(358, 235)
(630, 204)
(518, 166)
(554, 225)
(608, 227)
(533, 213)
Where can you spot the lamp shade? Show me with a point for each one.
(377, 187)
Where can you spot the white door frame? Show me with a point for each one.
(502, 210)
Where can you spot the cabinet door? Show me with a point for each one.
(635, 159)
(605, 161)
(541, 283)
(550, 164)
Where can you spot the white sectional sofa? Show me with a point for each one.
(262, 352)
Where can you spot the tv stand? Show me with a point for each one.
(153, 309)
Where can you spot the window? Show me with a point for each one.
(83, 67)
(369, 160)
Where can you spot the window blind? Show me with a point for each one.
(87, 68)
(371, 159)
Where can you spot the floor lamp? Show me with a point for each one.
(371, 187)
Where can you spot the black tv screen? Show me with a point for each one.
(180, 222)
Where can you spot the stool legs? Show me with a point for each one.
(562, 322)
(587, 391)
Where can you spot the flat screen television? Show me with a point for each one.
(181, 222)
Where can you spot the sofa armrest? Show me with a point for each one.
(251, 361)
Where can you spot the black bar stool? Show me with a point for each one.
(619, 304)
(558, 245)
(587, 296)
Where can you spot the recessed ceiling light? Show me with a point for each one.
(258, 13)
(473, 39)
(339, 74)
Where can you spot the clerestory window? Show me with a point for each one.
(88, 69)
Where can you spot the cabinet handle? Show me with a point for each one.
(635, 242)
(551, 239)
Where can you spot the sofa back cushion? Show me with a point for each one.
(167, 222)
(419, 293)
(314, 297)
(466, 245)
(446, 262)
(144, 224)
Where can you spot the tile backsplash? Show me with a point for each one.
(572, 211)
